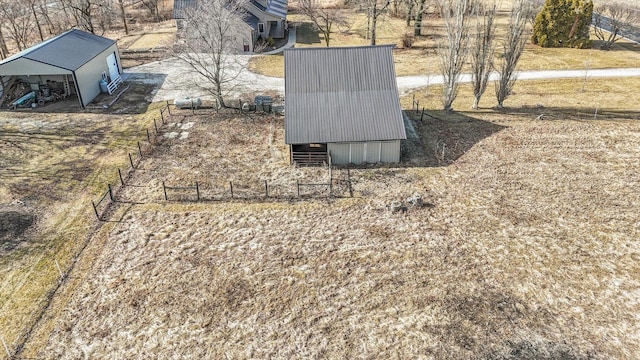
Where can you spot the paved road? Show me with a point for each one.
(631, 33)
(176, 80)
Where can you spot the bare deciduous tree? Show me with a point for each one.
(19, 22)
(454, 50)
(33, 4)
(417, 24)
(91, 15)
(409, 5)
(154, 8)
(483, 50)
(123, 16)
(611, 19)
(375, 9)
(521, 14)
(208, 42)
(4, 52)
(324, 19)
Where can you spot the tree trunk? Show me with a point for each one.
(476, 103)
(35, 16)
(124, 17)
(409, 13)
(4, 52)
(417, 25)
(374, 19)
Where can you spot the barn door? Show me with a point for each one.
(113, 66)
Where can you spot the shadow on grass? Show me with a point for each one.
(570, 113)
(307, 34)
(443, 137)
(617, 46)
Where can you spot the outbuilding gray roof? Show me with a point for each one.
(346, 94)
(69, 50)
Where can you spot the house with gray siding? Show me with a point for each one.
(342, 102)
(264, 19)
(75, 61)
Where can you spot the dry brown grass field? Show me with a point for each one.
(527, 247)
(54, 164)
(422, 58)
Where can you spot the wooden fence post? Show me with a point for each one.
(231, 187)
(139, 149)
(349, 182)
(120, 175)
(266, 188)
(110, 192)
(148, 136)
(422, 114)
(95, 209)
(155, 125)
(162, 115)
(131, 161)
(197, 191)
(164, 188)
(168, 107)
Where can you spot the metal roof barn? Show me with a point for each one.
(344, 95)
(75, 56)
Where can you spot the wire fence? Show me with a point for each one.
(259, 190)
(202, 191)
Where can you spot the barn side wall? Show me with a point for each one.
(90, 74)
(364, 152)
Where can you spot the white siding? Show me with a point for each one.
(339, 153)
(361, 152)
(89, 75)
(24, 66)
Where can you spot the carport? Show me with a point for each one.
(73, 63)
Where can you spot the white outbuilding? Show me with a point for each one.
(74, 62)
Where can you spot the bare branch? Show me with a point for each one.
(483, 49)
(513, 46)
(324, 19)
(454, 51)
(212, 34)
(611, 20)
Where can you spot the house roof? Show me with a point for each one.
(277, 8)
(341, 95)
(180, 7)
(69, 50)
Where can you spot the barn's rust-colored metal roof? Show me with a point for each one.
(69, 50)
(341, 94)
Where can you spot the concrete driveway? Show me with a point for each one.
(176, 80)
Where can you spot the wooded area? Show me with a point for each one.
(32, 21)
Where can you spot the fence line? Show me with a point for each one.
(101, 207)
(265, 190)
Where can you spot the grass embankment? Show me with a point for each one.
(63, 161)
(527, 248)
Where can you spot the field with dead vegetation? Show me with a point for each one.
(52, 165)
(526, 247)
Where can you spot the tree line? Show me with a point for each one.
(26, 22)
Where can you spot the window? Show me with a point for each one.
(260, 27)
(315, 145)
